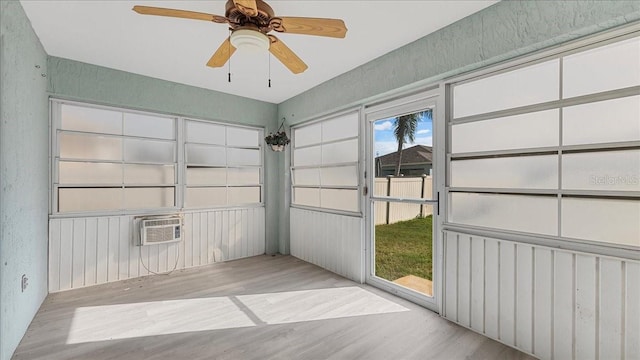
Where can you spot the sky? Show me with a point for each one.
(386, 143)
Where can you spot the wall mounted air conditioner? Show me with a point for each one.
(160, 230)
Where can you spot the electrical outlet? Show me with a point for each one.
(24, 282)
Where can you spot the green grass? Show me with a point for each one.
(404, 248)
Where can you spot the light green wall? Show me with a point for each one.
(24, 174)
(74, 80)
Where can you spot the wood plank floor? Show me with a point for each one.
(265, 307)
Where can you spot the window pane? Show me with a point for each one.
(237, 136)
(89, 199)
(203, 197)
(609, 67)
(90, 147)
(306, 177)
(91, 120)
(308, 135)
(243, 176)
(149, 174)
(206, 155)
(306, 196)
(89, 173)
(607, 220)
(522, 172)
(149, 126)
(343, 127)
(538, 129)
(206, 176)
(610, 170)
(346, 200)
(533, 214)
(307, 156)
(149, 151)
(340, 152)
(243, 157)
(244, 195)
(526, 86)
(340, 176)
(201, 132)
(148, 198)
(602, 122)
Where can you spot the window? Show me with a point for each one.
(325, 164)
(223, 165)
(551, 148)
(108, 160)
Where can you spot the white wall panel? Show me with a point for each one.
(96, 250)
(331, 241)
(552, 303)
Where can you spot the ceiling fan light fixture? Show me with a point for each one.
(245, 39)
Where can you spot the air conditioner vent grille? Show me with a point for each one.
(160, 230)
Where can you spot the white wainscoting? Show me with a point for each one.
(96, 250)
(331, 241)
(554, 304)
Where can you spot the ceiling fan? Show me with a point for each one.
(250, 21)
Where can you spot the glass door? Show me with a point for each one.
(403, 200)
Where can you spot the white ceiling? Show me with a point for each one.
(110, 34)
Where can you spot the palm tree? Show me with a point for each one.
(404, 129)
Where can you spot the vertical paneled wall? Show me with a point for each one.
(96, 250)
(552, 303)
(331, 241)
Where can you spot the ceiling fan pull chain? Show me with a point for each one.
(269, 54)
(229, 62)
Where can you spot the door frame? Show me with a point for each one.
(432, 97)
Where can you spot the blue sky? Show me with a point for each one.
(386, 143)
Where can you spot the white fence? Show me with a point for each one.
(403, 187)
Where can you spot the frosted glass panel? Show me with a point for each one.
(149, 151)
(526, 86)
(533, 214)
(610, 170)
(340, 176)
(203, 197)
(243, 157)
(343, 127)
(206, 155)
(89, 173)
(206, 176)
(346, 200)
(149, 174)
(244, 195)
(609, 67)
(538, 129)
(149, 126)
(306, 196)
(308, 135)
(523, 172)
(243, 176)
(602, 122)
(340, 152)
(606, 220)
(306, 177)
(307, 156)
(89, 199)
(91, 147)
(201, 132)
(242, 137)
(91, 120)
(148, 198)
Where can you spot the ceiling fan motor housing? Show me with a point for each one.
(238, 19)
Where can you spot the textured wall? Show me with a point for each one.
(85, 82)
(24, 174)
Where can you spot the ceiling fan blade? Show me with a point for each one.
(310, 26)
(247, 7)
(148, 10)
(286, 56)
(222, 55)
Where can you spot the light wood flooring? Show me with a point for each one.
(265, 307)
